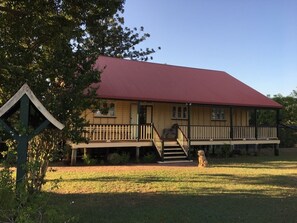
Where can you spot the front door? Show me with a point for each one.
(145, 117)
(145, 114)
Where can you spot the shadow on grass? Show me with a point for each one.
(215, 200)
(130, 179)
(282, 181)
(139, 207)
(287, 160)
(286, 182)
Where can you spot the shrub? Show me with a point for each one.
(101, 162)
(116, 158)
(18, 205)
(88, 160)
(149, 158)
(226, 151)
(125, 157)
(288, 138)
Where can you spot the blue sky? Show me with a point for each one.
(253, 40)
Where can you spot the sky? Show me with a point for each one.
(255, 41)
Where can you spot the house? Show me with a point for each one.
(143, 100)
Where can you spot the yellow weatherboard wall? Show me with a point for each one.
(162, 115)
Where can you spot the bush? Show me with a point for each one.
(125, 157)
(226, 151)
(18, 205)
(116, 158)
(288, 138)
(149, 158)
(88, 160)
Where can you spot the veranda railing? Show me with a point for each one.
(126, 132)
(113, 132)
(267, 132)
(199, 132)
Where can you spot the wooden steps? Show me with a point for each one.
(173, 153)
(175, 161)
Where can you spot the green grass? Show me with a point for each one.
(242, 189)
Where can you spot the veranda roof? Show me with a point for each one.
(145, 81)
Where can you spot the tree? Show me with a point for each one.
(288, 118)
(52, 45)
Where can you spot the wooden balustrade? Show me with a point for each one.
(126, 132)
(145, 132)
(224, 132)
(208, 132)
(244, 132)
(122, 132)
(182, 140)
(267, 133)
(158, 142)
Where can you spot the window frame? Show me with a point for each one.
(218, 114)
(111, 113)
(179, 112)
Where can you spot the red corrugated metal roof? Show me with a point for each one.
(134, 80)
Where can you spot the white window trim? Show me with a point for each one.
(183, 108)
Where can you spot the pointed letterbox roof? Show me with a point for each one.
(25, 90)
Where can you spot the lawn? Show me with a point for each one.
(238, 189)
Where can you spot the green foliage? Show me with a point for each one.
(288, 138)
(289, 118)
(116, 158)
(40, 152)
(149, 158)
(52, 46)
(21, 206)
(226, 150)
(265, 117)
(89, 161)
(289, 111)
(101, 162)
(7, 195)
(125, 157)
(9, 154)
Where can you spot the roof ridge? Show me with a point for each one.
(162, 64)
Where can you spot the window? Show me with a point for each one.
(106, 110)
(179, 112)
(218, 114)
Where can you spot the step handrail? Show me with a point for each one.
(158, 142)
(182, 140)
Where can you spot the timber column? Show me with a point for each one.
(189, 126)
(276, 146)
(73, 156)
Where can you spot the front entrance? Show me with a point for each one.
(145, 114)
(144, 117)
